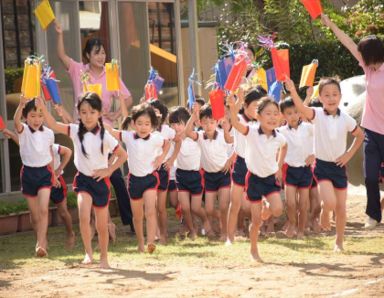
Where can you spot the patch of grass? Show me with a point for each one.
(17, 251)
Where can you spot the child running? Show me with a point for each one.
(263, 145)
(331, 127)
(246, 116)
(146, 153)
(214, 160)
(188, 176)
(297, 168)
(37, 176)
(92, 144)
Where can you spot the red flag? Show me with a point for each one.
(313, 7)
(2, 124)
(216, 98)
(280, 60)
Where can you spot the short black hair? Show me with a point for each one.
(285, 104)
(145, 109)
(126, 122)
(329, 81)
(206, 112)
(200, 100)
(90, 44)
(157, 104)
(264, 102)
(371, 49)
(255, 94)
(178, 114)
(316, 103)
(29, 106)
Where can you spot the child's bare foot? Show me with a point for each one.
(151, 247)
(104, 264)
(112, 232)
(192, 235)
(87, 260)
(41, 252)
(255, 256)
(338, 248)
(300, 235)
(141, 248)
(163, 240)
(223, 237)
(70, 242)
(291, 231)
(211, 234)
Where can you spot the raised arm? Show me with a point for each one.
(308, 95)
(51, 122)
(342, 37)
(63, 114)
(306, 111)
(65, 59)
(189, 127)
(234, 108)
(18, 114)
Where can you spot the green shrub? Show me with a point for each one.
(11, 75)
(11, 207)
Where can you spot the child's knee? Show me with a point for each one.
(150, 212)
(329, 205)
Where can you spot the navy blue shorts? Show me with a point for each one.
(137, 186)
(191, 181)
(99, 191)
(300, 177)
(164, 178)
(257, 187)
(33, 179)
(58, 194)
(215, 181)
(239, 171)
(172, 185)
(326, 170)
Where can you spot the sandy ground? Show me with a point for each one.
(346, 275)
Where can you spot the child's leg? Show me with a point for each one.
(223, 195)
(43, 200)
(173, 198)
(254, 230)
(303, 210)
(328, 199)
(315, 209)
(341, 217)
(237, 193)
(138, 217)
(63, 212)
(210, 198)
(162, 215)
(184, 201)
(200, 212)
(84, 203)
(101, 217)
(150, 216)
(290, 199)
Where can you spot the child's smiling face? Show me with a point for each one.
(330, 96)
(35, 119)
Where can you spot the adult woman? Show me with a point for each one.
(369, 52)
(94, 54)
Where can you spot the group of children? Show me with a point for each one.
(216, 171)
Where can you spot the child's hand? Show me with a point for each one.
(169, 163)
(310, 160)
(39, 103)
(59, 110)
(7, 133)
(309, 92)
(279, 176)
(325, 20)
(196, 110)
(101, 174)
(289, 85)
(56, 183)
(224, 124)
(58, 28)
(344, 159)
(158, 162)
(227, 166)
(23, 100)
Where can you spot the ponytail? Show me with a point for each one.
(102, 130)
(80, 133)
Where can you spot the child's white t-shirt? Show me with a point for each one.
(35, 146)
(189, 156)
(142, 153)
(239, 139)
(95, 160)
(300, 143)
(261, 151)
(331, 133)
(168, 134)
(214, 152)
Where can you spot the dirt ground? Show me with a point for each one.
(351, 274)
